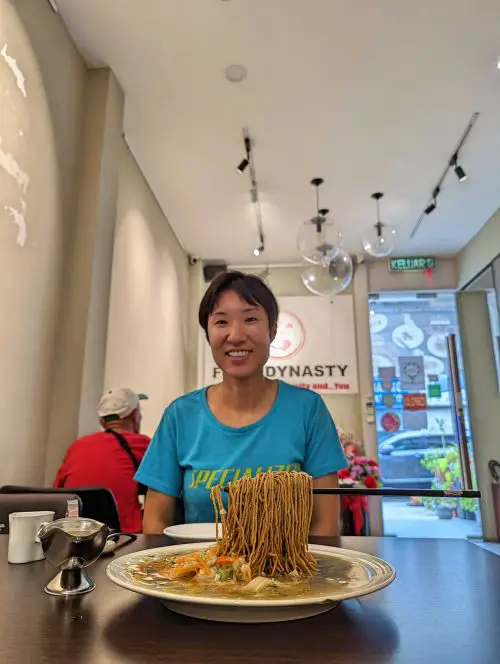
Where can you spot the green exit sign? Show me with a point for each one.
(413, 264)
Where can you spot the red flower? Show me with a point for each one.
(345, 473)
(370, 482)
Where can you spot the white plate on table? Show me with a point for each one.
(370, 574)
(192, 532)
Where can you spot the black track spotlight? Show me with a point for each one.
(242, 166)
(433, 204)
(258, 250)
(459, 171)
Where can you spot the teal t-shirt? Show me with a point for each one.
(192, 451)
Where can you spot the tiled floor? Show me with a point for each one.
(493, 547)
(404, 520)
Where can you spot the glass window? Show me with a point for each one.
(440, 441)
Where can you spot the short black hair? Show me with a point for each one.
(249, 287)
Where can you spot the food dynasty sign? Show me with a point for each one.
(314, 346)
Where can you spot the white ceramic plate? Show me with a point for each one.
(192, 532)
(376, 572)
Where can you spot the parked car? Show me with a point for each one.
(401, 453)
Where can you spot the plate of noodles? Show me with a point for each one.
(260, 568)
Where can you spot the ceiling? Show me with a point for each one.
(368, 95)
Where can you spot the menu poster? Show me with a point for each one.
(390, 422)
(415, 420)
(387, 373)
(415, 401)
(411, 372)
(389, 400)
(434, 391)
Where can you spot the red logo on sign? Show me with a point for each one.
(290, 337)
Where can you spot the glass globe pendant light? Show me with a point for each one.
(378, 240)
(329, 278)
(317, 240)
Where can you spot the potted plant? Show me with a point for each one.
(445, 508)
(446, 477)
(469, 508)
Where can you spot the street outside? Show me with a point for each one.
(404, 520)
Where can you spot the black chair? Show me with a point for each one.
(97, 502)
(179, 512)
(34, 502)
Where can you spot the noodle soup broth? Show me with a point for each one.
(335, 574)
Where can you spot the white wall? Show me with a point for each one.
(60, 144)
(483, 394)
(480, 251)
(81, 337)
(97, 212)
(149, 309)
(41, 91)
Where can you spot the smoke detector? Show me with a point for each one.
(235, 73)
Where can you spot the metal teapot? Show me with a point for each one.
(72, 544)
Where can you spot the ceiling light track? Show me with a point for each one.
(248, 162)
(452, 163)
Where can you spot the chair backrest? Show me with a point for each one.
(179, 512)
(97, 502)
(34, 502)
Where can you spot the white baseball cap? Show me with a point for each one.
(120, 402)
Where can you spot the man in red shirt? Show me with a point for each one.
(102, 459)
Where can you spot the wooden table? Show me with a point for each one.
(444, 607)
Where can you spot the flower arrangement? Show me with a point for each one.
(362, 470)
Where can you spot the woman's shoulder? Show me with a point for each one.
(299, 396)
(186, 402)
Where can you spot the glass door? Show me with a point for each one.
(417, 428)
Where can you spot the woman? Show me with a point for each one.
(246, 424)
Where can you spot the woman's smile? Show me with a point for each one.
(238, 358)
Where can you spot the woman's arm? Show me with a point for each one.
(325, 519)
(161, 473)
(159, 512)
